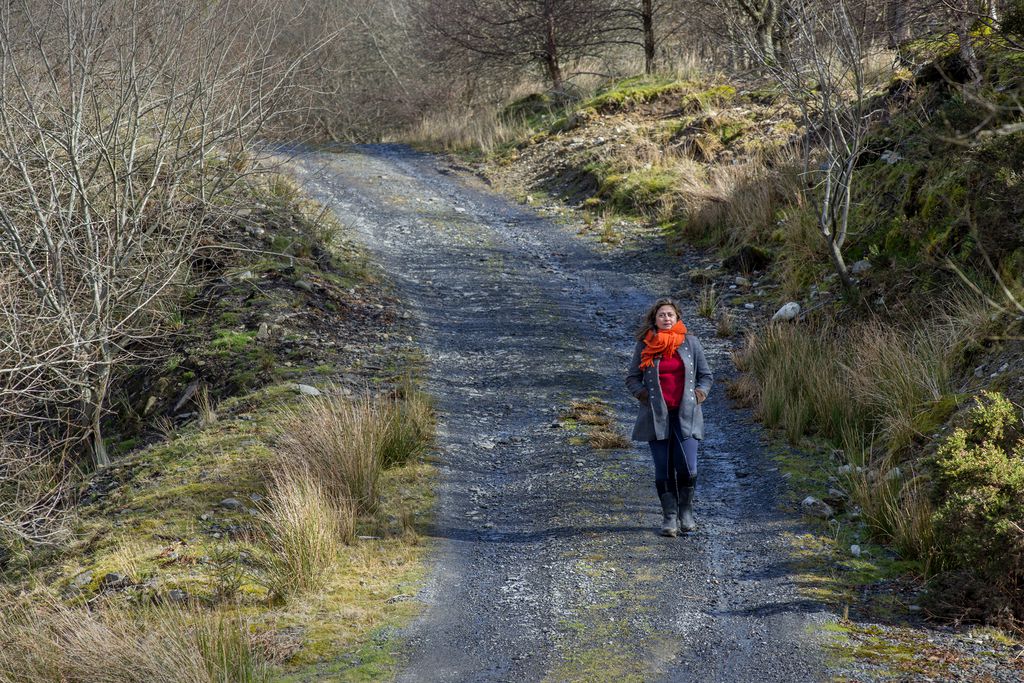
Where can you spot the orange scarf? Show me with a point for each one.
(662, 342)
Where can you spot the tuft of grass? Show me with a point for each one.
(594, 415)
(708, 302)
(205, 408)
(590, 412)
(48, 641)
(726, 324)
(345, 444)
(337, 442)
(305, 531)
(607, 439)
(408, 428)
(896, 508)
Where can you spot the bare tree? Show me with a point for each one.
(118, 123)
(824, 75)
(519, 33)
(761, 22)
(646, 24)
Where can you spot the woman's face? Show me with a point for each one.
(665, 317)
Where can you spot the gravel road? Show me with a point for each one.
(548, 565)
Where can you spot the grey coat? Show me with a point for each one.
(652, 422)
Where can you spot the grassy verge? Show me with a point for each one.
(262, 519)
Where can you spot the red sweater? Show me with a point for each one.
(671, 375)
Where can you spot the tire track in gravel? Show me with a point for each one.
(548, 566)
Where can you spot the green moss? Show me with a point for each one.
(635, 192)
(633, 91)
(933, 416)
(231, 341)
(702, 100)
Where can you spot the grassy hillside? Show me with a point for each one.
(906, 392)
(261, 519)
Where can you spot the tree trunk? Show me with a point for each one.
(99, 449)
(647, 13)
(896, 22)
(992, 10)
(967, 54)
(551, 64)
(838, 262)
(765, 33)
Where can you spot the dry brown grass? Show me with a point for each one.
(331, 455)
(725, 325)
(741, 201)
(873, 390)
(463, 130)
(346, 443)
(590, 412)
(305, 531)
(594, 414)
(605, 439)
(336, 442)
(47, 641)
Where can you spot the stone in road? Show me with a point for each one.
(548, 566)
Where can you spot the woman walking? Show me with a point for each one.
(671, 378)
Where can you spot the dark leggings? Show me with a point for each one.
(675, 459)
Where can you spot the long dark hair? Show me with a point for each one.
(648, 324)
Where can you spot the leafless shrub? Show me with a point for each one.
(120, 121)
(824, 73)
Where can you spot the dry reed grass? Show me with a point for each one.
(606, 439)
(337, 442)
(873, 390)
(481, 130)
(331, 453)
(725, 326)
(305, 531)
(48, 641)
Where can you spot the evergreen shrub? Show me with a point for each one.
(978, 493)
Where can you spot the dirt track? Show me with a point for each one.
(548, 565)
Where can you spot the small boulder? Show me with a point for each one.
(787, 313)
(114, 581)
(81, 581)
(813, 507)
(307, 390)
(855, 550)
(741, 281)
(890, 156)
(177, 596)
(263, 333)
(231, 504)
(860, 267)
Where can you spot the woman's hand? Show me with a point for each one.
(700, 396)
(644, 396)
